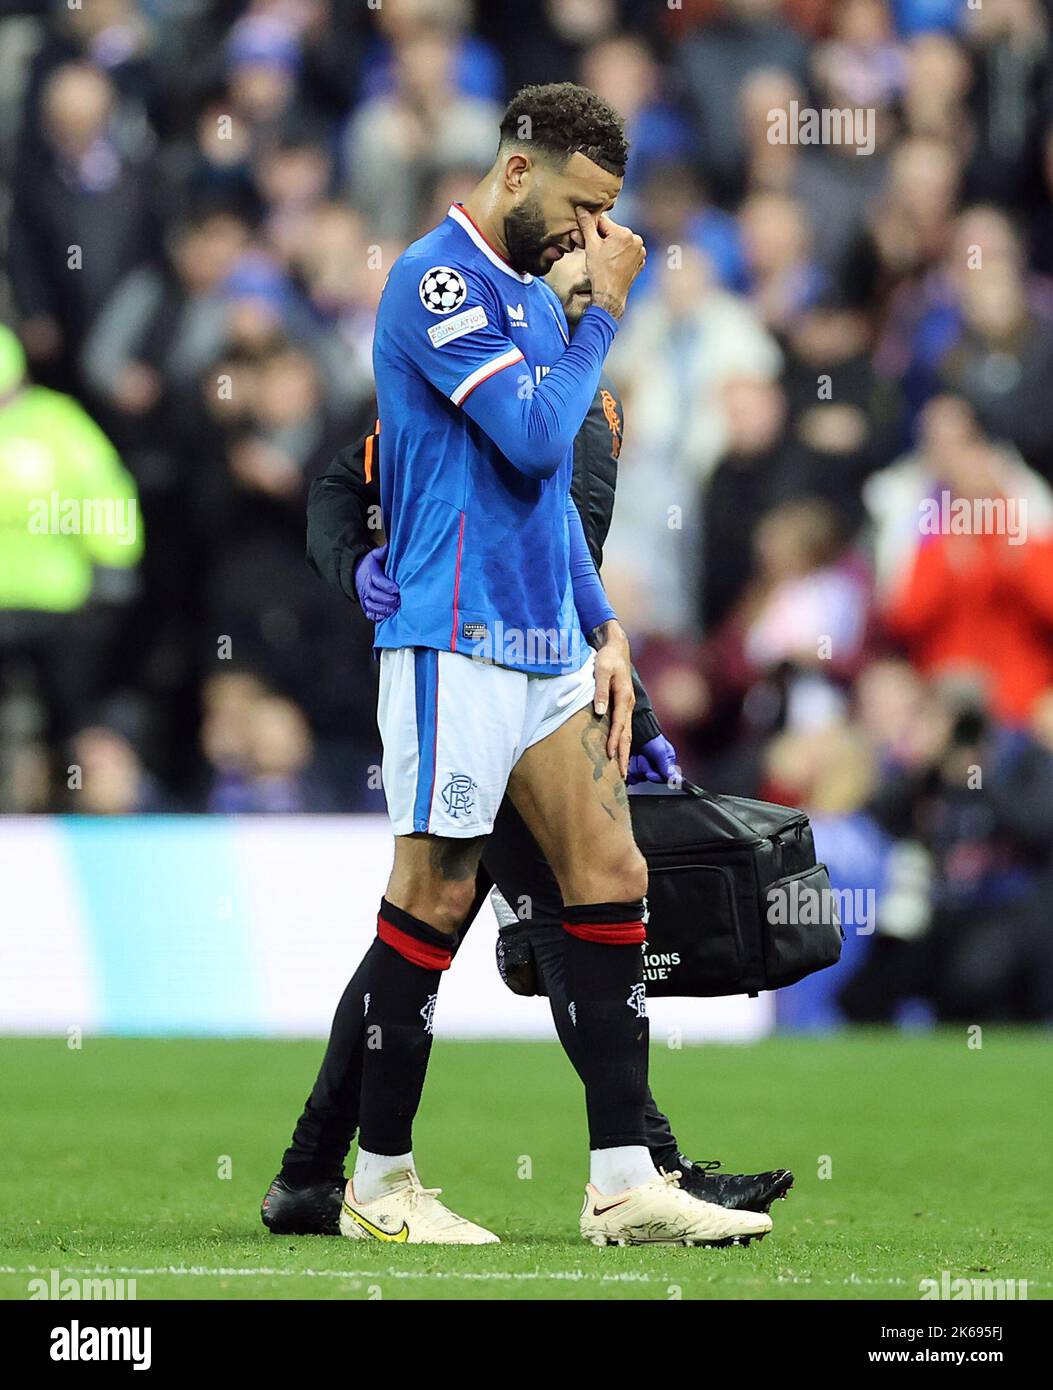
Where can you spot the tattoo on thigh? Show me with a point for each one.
(455, 860)
(604, 771)
(594, 741)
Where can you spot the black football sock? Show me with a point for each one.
(406, 963)
(659, 1137)
(604, 967)
(549, 944)
(326, 1127)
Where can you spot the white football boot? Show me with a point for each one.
(660, 1212)
(409, 1215)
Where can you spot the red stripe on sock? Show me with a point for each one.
(421, 953)
(609, 933)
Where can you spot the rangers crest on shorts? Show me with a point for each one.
(442, 290)
(457, 795)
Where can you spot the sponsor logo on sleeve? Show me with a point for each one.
(458, 326)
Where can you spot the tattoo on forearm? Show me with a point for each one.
(614, 307)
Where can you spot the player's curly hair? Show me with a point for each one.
(561, 119)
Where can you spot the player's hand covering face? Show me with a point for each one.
(542, 225)
(614, 256)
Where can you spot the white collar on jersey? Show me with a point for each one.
(466, 224)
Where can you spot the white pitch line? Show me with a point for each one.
(204, 1272)
(467, 1276)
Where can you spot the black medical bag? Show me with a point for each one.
(736, 902)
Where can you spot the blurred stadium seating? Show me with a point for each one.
(200, 202)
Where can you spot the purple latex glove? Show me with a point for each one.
(378, 595)
(655, 762)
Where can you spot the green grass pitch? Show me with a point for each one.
(938, 1156)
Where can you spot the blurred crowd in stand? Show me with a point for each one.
(833, 545)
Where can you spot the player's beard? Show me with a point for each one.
(577, 301)
(526, 238)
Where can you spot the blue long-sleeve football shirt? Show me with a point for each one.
(480, 394)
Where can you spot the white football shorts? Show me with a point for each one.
(454, 727)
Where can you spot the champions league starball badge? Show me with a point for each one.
(442, 290)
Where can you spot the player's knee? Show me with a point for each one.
(631, 877)
(441, 904)
(452, 902)
(620, 877)
(435, 880)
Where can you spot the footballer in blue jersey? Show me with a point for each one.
(478, 542)
(486, 684)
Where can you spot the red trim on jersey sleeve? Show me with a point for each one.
(464, 389)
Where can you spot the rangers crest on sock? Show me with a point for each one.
(638, 1000)
(428, 1013)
